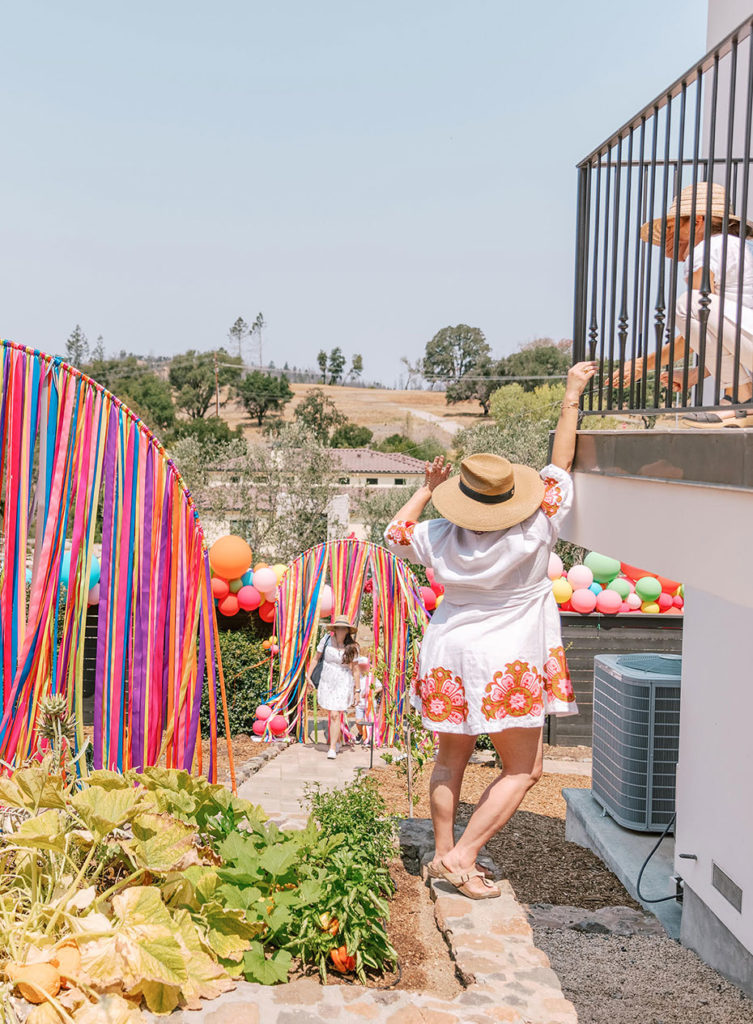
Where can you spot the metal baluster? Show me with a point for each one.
(704, 300)
(593, 327)
(691, 245)
(613, 275)
(743, 208)
(604, 279)
(660, 307)
(675, 257)
(649, 256)
(622, 328)
(640, 269)
(721, 287)
(581, 266)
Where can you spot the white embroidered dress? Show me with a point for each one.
(492, 656)
(335, 691)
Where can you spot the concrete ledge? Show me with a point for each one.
(706, 935)
(624, 852)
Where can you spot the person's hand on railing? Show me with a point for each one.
(676, 379)
(578, 377)
(631, 370)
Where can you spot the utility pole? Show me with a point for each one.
(216, 386)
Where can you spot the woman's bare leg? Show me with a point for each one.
(444, 788)
(334, 729)
(520, 751)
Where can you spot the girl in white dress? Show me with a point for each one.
(339, 678)
(492, 659)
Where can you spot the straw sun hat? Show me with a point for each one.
(342, 621)
(489, 493)
(652, 229)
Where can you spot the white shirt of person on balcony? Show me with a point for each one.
(735, 258)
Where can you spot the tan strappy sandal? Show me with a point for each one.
(460, 881)
(433, 872)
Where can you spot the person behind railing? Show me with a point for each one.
(491, 660)
(686, 219)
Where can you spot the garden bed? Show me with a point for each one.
(531, 850)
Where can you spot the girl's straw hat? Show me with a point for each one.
(652, 229)
(489, 493)
(341, 621)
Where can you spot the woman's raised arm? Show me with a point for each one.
(434, 473)
(563, 450)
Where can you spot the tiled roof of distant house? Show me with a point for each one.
(366, 460)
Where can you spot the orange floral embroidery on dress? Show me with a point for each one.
(552, 496)
(400, 533)
(517, 691)
(557, 683)
(443, 697)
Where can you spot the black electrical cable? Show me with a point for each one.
(662, 899)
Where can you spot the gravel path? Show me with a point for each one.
(640, 979)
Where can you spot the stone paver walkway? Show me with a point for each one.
(506, 979)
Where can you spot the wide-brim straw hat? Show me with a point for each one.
(652, 229)
(489, 493)
(341, 621)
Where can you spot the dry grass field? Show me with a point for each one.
(418, 414)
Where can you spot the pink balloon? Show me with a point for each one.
(555, 568)
(278, 725)
(249, 598)
(265, 580)
(327, 600)
(272, 595)
(608, 602)
(583, 600)
(678, 602)
(259, 727)
(274, 649)
(634, 602)
(93, 597)
(263, 712)
(430, 575)
(625, 607)
(665, 602)
(429, 598)
(580, 577)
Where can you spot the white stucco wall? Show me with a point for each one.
(699, 535)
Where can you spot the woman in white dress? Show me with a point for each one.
(339, 678)
(491, 659)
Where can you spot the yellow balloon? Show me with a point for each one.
(279, 570)
(440, 599)
(562, 590)
(650, 608)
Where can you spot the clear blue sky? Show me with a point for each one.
(363, 173)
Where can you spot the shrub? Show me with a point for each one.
(358, 812)
(245, 665)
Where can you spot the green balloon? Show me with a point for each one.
(647, 588)
(235, 586)
(621, 587)
(603, 567)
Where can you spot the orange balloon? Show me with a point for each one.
(261, 565)
(267, 612)
(228, 605)
(230, 557)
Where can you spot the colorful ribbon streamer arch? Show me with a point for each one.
(398, 623)
(70, 450)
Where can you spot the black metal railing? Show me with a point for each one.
(671, 323)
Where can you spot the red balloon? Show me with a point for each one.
(259, 726)
(438, 588)
(278, 725)
(249, 598)
(566, 606)
(267, 612)
(368, 586)
(665, 602)
(678, 602)
(429, 598)
(228, 605)
(220, 588)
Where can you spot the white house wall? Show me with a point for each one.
(699, 535)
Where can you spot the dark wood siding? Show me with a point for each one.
(586, 636)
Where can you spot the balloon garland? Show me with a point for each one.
(609, 587)
(399, 618)
(76, 462)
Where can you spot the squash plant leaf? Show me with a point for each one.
(104, 810)
(159, 842)
(266, 970)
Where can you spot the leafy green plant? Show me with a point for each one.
(246, 668)
(359, 812)
(416, 746)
